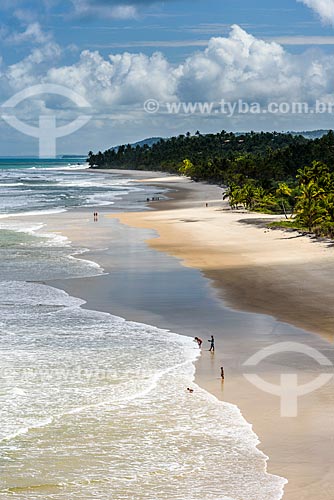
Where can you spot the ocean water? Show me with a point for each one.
(91, 405)
(55, 185)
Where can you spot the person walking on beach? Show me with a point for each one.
(212, 345)
(199, 341)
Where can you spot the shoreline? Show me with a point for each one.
(235, 389)
(303, 263)
(303, 267)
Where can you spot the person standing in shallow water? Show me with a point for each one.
(212, 344)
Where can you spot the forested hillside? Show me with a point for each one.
(224, 157)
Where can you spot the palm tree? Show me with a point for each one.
(283, 191)
(233, 194)
(310, 211)
(248, 196)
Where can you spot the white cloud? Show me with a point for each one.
(24, 15)
(325, 9)
(239, 66)
(31, 69)
(233, 67)
(303, 40)
(242, 66)
(113, 10)
(120, 9)
(33, 33)
(124, 79)
(123, 12)
(152, 43)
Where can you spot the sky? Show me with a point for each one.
(133, 69)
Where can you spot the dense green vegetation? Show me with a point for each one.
(267, 172)
(307, 203)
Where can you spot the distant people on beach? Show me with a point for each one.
(222, 374)
(212, 344)
(199, 341)
(96, 216)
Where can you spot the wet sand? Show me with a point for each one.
(188, 278)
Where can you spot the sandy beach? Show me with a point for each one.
(201, 270)
(275, 272)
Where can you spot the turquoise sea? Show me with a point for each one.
(91, 405)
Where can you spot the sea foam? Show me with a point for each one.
(97, 391)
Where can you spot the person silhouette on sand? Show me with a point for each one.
(212, 345)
